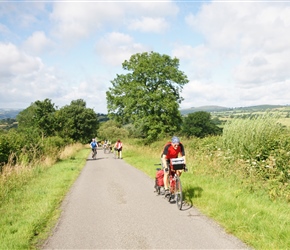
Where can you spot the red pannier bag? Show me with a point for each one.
(159, 178)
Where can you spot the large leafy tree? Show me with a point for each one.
(149, 95)
(77, 122)
(199, 124)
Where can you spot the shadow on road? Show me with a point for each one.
(185, 205)
(90, 159)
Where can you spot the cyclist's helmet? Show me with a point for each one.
(175, 139)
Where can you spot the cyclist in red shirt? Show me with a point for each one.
(118, 148)
(171, 150)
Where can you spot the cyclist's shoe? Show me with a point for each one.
(166, 192)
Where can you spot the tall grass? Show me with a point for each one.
(252, 137)
(15, 176)
(263, 145)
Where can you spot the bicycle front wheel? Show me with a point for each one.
(178, 192)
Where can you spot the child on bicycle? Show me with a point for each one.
(171, 150)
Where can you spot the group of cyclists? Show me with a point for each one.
(172, 149)
(117, 147)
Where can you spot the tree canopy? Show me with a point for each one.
(149, 95)
(38, 116)
(199, 124)
(112, 131)
(77, 122)
(74, 121)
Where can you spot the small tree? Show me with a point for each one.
(77, 122)
(112, 131)
(39, 116)
(199, 124)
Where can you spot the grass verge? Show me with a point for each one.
(247, 213)
(31, 208)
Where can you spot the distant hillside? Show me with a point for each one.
(261, 107)
(204, 108)
(9, 113)
(12, 113)
(222, 109)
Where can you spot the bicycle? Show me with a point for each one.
(106, 149)
(94, 153)
(175, 191)
(115, 152)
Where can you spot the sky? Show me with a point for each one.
(234, 53)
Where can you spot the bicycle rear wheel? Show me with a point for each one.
(178, 193)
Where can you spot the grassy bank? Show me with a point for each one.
(220, 191)
(30, 198)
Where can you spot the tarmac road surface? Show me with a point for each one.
(112, 205)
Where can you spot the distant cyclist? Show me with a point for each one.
(171, 150)
(118, 148)
(105, 144)
(94, 146)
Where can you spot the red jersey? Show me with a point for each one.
(171, 152)
(119, 145)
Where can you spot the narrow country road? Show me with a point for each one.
(112, 206)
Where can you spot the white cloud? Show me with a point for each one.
(77, 20)
(148, 24)
(38, 43)
(262, 69)
(254, 37)
(152, 8)
(25, 78)
(92, 91)
(14, 62)
(116, 47)
(195, 60)
(199, 93)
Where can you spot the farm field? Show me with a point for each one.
(282, 112)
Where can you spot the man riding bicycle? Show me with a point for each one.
(171, 150)
(94, 147)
